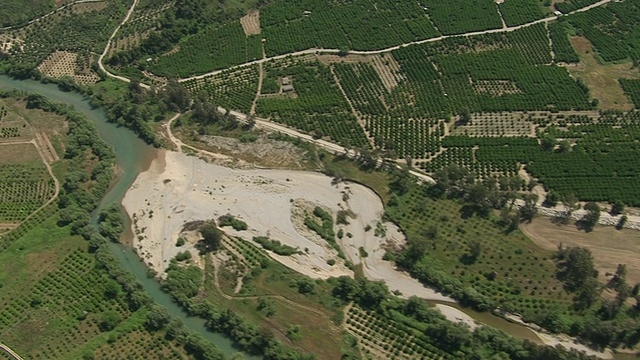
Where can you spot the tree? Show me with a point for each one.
(552, 198)
(617, 207)
(590, 219)
(475, 249)
(570, 203)
(110, 319)
(575, 266)
(465, 117)
(211, 235)
(529, 209)
(400, 181)
(548, 142)
(564, 146)
(306, 285)
(157, 318)
(372, 293)
(176, 96)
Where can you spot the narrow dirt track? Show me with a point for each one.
(106, 49)
(216, 265)
(56, 183)
(396, 47)
(10, 352)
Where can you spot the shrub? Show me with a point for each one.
(180, 241)
(230, 220)
(275, 246)
(182, 256)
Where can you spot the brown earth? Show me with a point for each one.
(19, 153)
(89, 6)
(609, 246)
(251, 22)
(602, 79)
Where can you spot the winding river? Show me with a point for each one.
(134, 156)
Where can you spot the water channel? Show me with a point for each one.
(134, 156)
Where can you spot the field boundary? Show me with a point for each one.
(48, 166)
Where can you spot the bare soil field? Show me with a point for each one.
(179, 189)
(18, 153)
(609, 246)
(496, 87)
(602, 79)
(64, 63)
(499, 124)
(388, 70)
(251, 22)
(329, 59)
(89, 6)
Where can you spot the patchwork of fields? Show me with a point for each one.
(520, 97)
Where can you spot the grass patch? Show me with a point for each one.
(318, 333)
(602, 79)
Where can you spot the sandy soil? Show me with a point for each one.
(251, 22)
(609, 246)
(177, 189)
(569, 343)
(454, 315)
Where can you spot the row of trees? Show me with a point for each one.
(430, 326)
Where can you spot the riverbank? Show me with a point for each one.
(177, 189)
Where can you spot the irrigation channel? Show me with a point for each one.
(134, 156)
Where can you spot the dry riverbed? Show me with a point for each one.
(178, 189)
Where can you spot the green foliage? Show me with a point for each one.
(67, 30)
(357, 25)
(571, 5)
(110, 320)
(111, 222)
(325, 228)
(577, 271)
(590, 219)
(15, 12)
(182, 282)
(182, 256)
(631, 88)
(318, 107)
(217, 47)
(230, 220)
(460, 16)
(275, 246)
(611, 29)
(23, 189)
(231, 89)
(561, 46)
(180, 241)
(211, 235)
(518, 12)
(157, 318)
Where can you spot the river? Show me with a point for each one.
(134, 156)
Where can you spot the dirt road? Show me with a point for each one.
(10, 352)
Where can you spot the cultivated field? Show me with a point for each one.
(63, 63)
(603, 79)
(251, 23)
(609, 246)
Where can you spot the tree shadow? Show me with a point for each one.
(584, 225)
(467, 211)
(468, 259)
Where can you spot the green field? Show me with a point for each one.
(494, 117)
(17, 12)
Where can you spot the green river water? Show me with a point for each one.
(134, 156)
